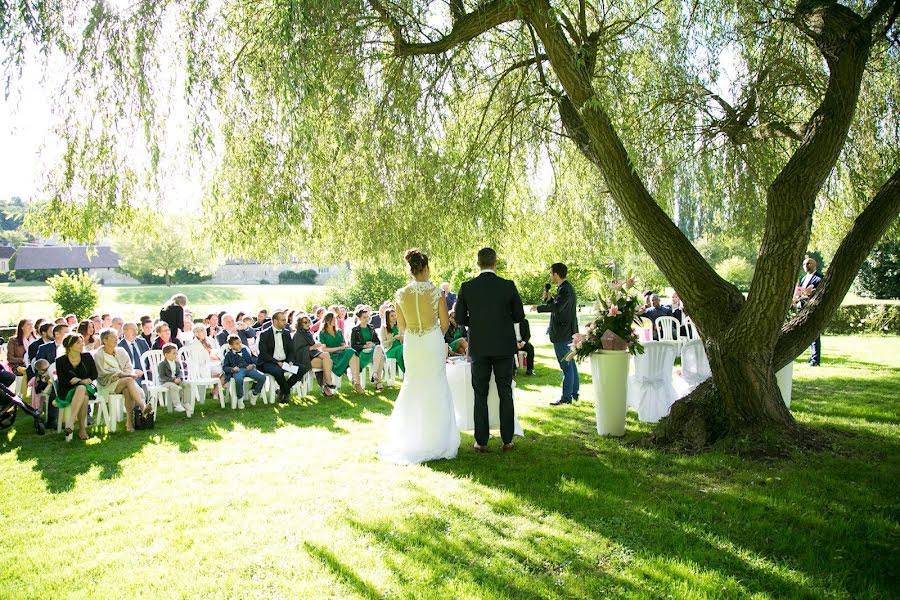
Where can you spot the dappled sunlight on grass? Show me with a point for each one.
(291, 501)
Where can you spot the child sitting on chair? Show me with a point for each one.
(239, 364)
(170, 375)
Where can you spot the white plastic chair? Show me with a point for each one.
(650, 389)
(694, 367)
(197, 371)
(667, 329)
(150, 362)
(115, 405)
(690, 329)
(267, 395)
(391, 372)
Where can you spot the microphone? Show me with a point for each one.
(546, 287)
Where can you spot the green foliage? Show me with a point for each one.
(179, 277)
(307, 276)
(160, 246)
(77, 293)
(363, 286)
(865, 318)
(717, 247)
(12, 212)
(38, 274)
(879, 276)
(737, 270)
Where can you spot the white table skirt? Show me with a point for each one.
(459, 375)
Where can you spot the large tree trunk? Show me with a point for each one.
(741, 335)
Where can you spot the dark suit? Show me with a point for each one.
(140, 346)
(489, 305)
(47, 351)
(32, 353)
(528, 349)
(267, 363)
(563, 309)
(451, 301)
(173, 316)
(653, 314)
(223, 336)
(815, 349)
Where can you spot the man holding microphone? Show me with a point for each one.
(563, 309)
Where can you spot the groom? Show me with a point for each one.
(489, 306)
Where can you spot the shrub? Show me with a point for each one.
(307, 277)
(180, 277)
(879, 276)
(38, 274)
(77, 293)
(364, 286)
(865, 318)
(737, 270)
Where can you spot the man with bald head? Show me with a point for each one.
(811, 279)
(229, 327)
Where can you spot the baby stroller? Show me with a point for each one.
(10, 405)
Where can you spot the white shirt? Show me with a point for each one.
(806, 279)
(487, 271)
(172, 366)
(279, 354)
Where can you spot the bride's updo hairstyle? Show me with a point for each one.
(417, 261)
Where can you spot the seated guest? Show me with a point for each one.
(523, 343)
(457, 337)
(87, 330)
(75, 373)
(312, 355)
(187, 331)
(212, 325)
(164, 336)
(262, 320)
(71, 320)
(117, 324)
(239, 364)
(391, 339)
(364, 341)
(342, 355)
(45, 335)
(677, 308)
(317, 320)
(375, 318)
(35, 332)
(229, 328)
(276, 349)
(105, 322)
(246, 324)
(211, 365)
(17, 346)
(171, 376)
(116, 373)
(147, 330)
(95, 319)
(42, 377)
(135, 346)
(656, 311)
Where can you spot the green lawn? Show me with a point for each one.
(18, 301)
(292, 502)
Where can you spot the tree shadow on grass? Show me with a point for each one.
(60, 464)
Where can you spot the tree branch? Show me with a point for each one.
(868, 228)
(465, 28)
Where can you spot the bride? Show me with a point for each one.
(423, 424)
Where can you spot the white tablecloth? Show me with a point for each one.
(459, 375)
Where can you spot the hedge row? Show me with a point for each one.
(865, 318)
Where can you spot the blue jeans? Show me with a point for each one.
(570, 382)
(255, 375)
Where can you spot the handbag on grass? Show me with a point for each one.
(142, 422)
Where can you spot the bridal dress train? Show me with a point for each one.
(423, 424)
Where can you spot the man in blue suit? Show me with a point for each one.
(449, 296)
(135, 346)
(812, 278)
(49, 352)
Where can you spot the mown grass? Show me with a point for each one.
(131, 302)
(292, 502)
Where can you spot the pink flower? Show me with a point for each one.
(629, 283)
(578, 345)
(616, 285)
(613, 310)
(577, 339)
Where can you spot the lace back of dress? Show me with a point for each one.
(418, 302)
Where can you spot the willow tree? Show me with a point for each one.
(382, 123)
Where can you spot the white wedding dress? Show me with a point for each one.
(423, 424)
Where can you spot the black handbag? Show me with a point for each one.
(142, 422)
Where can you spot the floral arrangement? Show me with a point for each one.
(612, 328)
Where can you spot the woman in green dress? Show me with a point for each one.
(391, 339)
(364, 341)
(342, 355)
(75, 372)
(457, 338)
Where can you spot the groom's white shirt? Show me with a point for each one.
(487, 271)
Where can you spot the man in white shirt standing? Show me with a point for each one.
(811, 278)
